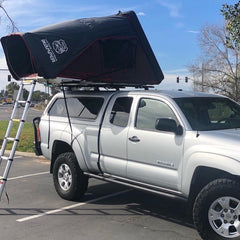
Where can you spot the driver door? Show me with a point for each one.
(154, 157)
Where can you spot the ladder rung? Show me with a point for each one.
(4, 157)
(11, 139)
(16, 120)
(21, 101)
(2, 179)
(27, 82)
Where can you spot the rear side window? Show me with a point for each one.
(120, 111)
(82, 107)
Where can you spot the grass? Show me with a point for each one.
(26, 138)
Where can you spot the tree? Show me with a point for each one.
(11, 87)
(12, 23)
(25, 94)
(231, 14)
(39, 96)
(217, 69)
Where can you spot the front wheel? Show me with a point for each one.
(216, 211)
(69, 180)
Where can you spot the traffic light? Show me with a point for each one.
(177, 79)
(186, 79)
(9, 78)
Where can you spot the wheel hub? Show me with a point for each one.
(229, 216)
(64, 177)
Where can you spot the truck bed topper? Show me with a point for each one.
(112, 50)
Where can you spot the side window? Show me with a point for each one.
(149, 110)
(58, 109)
(82, 107)
(121, 111)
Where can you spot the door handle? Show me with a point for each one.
(134, 139)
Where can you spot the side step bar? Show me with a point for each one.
(138, 185)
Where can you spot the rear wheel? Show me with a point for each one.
(69, 180)
(216, 211)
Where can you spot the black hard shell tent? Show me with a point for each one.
(112, 50)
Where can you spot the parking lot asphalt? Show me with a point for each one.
(6, 111)
(107, 211)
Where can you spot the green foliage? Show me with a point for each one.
(231, 14)
(37, 96)
(40, 96)
(25, 94)
(26, 139)
(11, 87)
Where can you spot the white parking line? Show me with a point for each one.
(71, 206)
(28, 175)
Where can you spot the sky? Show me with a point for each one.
(171, 26)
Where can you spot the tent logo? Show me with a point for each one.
(59, 46)
(49, 50)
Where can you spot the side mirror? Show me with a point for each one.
(168, 125)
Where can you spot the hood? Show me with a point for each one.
(228, 135)
(224, 142)
(112, 49)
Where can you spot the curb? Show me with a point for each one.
(25, 154)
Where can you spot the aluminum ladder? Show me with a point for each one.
(9, 159)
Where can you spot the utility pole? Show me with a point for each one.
(202, 76)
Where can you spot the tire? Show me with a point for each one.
(216, 211)
(69, 180)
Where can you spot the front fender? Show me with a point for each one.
(211, 160)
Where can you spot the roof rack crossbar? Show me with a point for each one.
(79, 83)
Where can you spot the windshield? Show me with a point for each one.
(210, 113)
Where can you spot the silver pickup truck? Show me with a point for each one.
(174, 143)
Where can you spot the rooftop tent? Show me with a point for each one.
(112, 50)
